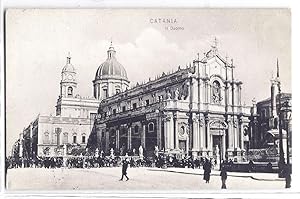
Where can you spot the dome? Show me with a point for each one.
(68, 67)
(111, 67)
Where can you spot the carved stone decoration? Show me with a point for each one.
(183, 129)
(235, 124)
(218, 124)
(185, 90)
(169, 95)
(176, 94)
(187, 130)
(202, 122)
(216, 93)
(195, 118)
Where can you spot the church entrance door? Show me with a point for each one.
(218, 146)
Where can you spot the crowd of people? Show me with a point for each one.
(159, 161)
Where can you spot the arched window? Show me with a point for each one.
(83, 139)
(216, 92)
(105, 92)
(74, 138)
(70, 91)
(151, 127)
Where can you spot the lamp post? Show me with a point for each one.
(287, 110)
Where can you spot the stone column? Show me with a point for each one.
(239, 133)
(223, 147)
(169, 131)
(230, 138)
(202, 133)
(96, 91)
(166, 139)
(129, 138)
(235, 130)
(242, 137)
(117, 139)
(143, 135)
(206, 88)
(207, 134)
(210, 144)
(66, 92)
(107, 148)
(176, 140)
(196, 137)
(158, 129)
(230, 134)
(195, 94)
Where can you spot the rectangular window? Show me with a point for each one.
(134, 105)
(46, 138)
(65, 141)
(114, 111)
(124, 108)
(54, 141)
(83, 139)
(74, 139)
(147, 102)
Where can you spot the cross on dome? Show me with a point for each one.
(69, 58)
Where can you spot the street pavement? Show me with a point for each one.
(141, 179)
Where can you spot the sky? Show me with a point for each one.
(38, 42)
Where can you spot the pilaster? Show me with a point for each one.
(196, 137)
(143, 136)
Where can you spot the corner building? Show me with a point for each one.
(71, 125)
(196, 110)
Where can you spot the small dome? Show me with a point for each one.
(68, 67)
(111, 67)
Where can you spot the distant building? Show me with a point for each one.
(268, 112)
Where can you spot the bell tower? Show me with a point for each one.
(68, 83)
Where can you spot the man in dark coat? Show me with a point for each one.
(124, 169)
(207, 170)
(223, 175)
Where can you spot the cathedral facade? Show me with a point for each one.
(196, 110)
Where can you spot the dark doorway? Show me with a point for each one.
(182, 145)
(123, 141)
(217, 141)
(112, 139)
(151, 139)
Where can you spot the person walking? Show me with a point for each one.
(207, 170)
(223, 175)
(124, 169)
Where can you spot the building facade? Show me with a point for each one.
(196, 110)
(68, 129)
